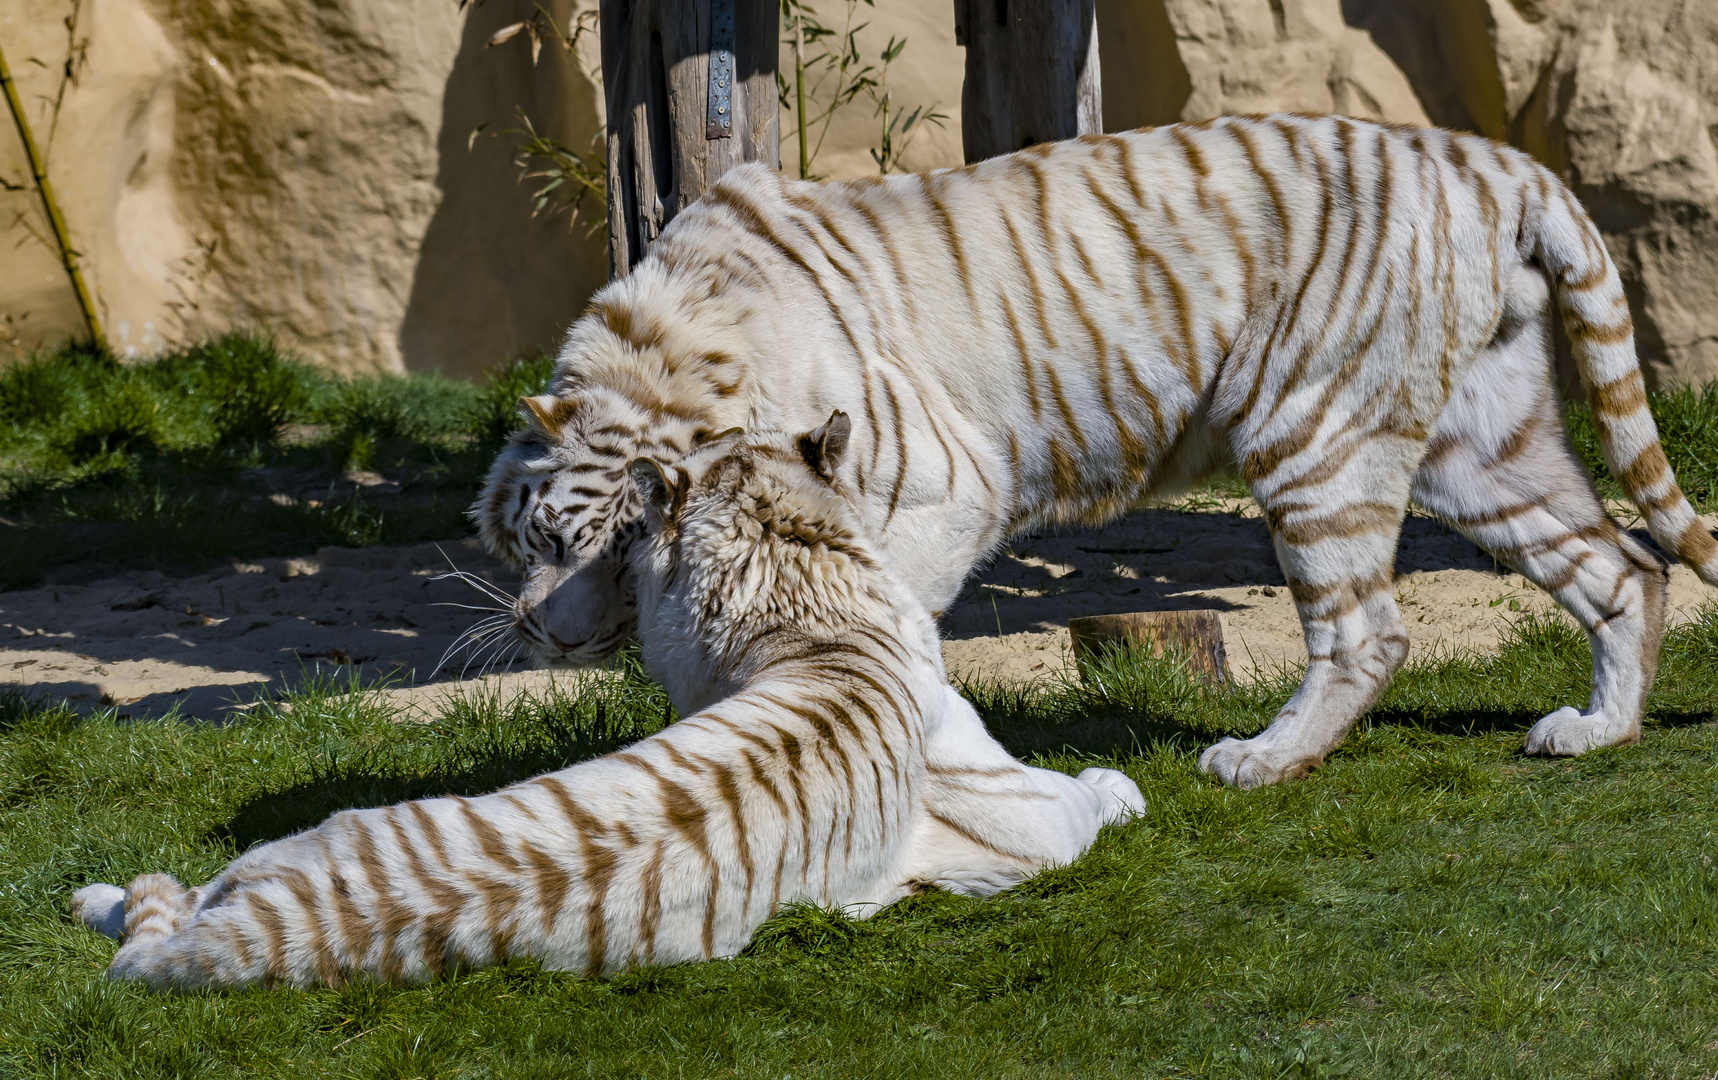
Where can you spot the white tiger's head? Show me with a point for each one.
(560, 505)
(753, 549)
(654, 367)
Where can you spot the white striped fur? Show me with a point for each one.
(1351, 313)
(837, 767)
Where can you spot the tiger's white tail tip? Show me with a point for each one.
(101, 907)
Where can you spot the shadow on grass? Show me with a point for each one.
(1125, 701)
(338, 785)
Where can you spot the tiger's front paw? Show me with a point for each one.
(1569, 732)
(1251, 763)
(101, 907)
(1122, 798)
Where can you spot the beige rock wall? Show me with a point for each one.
(303, 168)
(1622, 100)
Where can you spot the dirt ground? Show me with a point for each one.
(218, 641)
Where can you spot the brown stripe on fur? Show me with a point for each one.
(730, 793)
(310, 903)
(1069, 421)
(791, 751)
(394, 917)
(1620, 397)
(1292, 312)
(488, 837)
(759, 226)
(1025, 355)
(650, 911)
(1187, 356)
(1597, 273)
(597, 861)
(897, 268)
(901, 456)
(710, 898)
(1023, 257)
(437, 926)
(1240, 132)
(945, 226)
(1646, 471)
(1355, 519)
(1587, 334)
(551, 881)
(968, 835)
(273, 928)
(1696, 545)
(500, 900)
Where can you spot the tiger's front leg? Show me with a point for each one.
(984, 821)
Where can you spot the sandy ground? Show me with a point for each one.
(208, 644)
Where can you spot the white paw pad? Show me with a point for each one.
(1124, 799)
(1568, 732)
(101, 907)
(1251, 763)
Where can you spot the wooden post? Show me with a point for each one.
(691, 93)
(1031, 73)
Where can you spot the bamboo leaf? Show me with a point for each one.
(506, 33)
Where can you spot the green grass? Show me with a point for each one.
(1428, 904)
(148, 465)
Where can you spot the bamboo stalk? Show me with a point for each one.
(39, 171)
(799, 89)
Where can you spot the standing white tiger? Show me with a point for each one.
(823, 758)
(1352, 313)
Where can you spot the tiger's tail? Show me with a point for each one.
(1601, 333)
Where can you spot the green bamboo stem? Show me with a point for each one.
(799, 89)
(39, 171)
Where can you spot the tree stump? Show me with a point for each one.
(1196, 634)
(690, 88)
(1031, 73)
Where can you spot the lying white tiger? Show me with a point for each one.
(823, 758)
(1354, 313)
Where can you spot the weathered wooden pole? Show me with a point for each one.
(691, 93)
(1031, 73)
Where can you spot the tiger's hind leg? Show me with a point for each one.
(1500, 469)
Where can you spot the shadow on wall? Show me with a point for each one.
(490, 280)
(1145, 82)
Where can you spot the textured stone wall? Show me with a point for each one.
(303, 169)
(308, 169)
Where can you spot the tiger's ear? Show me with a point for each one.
(824, 448)
(654, 486)
(546, 412)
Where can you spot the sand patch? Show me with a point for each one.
(149, 643)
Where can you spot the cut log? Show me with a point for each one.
(1196, 634)
(1031, 73)
(691, 93)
